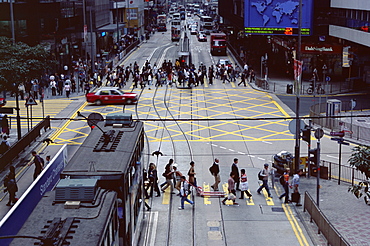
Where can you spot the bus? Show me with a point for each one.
(206, 24)
(175, 30)
(161, 23)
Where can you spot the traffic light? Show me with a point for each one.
(315, 158)
(306, 135)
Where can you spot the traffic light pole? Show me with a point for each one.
(318, 174)
(309, 147)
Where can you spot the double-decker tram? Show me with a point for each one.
(99, 198)
(175, 29)
(162, 23)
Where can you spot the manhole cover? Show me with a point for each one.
(277, 209)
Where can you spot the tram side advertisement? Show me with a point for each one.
(277, 17)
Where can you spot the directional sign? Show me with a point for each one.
(30, 101)
(6, 110)
(319, 133)
(337, 134)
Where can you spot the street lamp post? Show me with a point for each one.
(297, 91)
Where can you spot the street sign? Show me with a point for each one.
(292, 126)
(340, 141)
(6, 110)
(337, 134)
(319, 133)
(337, 139)
(30, 101)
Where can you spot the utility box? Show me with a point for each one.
(333, 108)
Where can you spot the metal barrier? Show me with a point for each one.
(348, 174)
(332, 236)
(23, 143)
(358, 132)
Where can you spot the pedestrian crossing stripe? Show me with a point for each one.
(206, 187)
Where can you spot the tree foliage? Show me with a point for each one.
(21, 62)
(360, 159)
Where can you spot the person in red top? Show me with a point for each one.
(244, 185)
(286, 186)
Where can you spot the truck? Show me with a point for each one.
(218, 44)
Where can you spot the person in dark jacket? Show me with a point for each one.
(39, 164)
(215, 171)
(11, 186)
(153, 180)
(235, 170)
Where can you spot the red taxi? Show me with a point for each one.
(111, 95)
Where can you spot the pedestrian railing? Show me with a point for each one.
(357, 132)
(347, 174)
(332, 236)
(23, 143)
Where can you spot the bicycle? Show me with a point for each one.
(318, 89)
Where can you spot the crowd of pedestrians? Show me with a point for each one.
(169, 74)
(177, 183)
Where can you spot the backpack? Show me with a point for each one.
(282, 180)
(260, 176)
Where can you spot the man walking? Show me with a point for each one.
(265, 178)
(39, 164)
(295, 184)
(235, 170)
(215, 171)
(184, 192)
(285, 184)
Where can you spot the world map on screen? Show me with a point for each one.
(276, 12)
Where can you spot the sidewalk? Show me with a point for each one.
(349, 216)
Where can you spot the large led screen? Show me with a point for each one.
(277, 17)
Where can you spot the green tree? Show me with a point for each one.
(360, 159)
(20, 62)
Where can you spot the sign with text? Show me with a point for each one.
(18, 214)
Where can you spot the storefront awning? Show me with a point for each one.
(110, 28)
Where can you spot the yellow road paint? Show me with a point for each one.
(295, 226)
(269, 200)
(166, 196)
(250, 201)
(206, 187)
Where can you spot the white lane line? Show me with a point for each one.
(231, 150)
(154, 220)
(251, 156)
(242, 153)
(266, 142)
(335, 157)
(259, 158)
(222, 147)
(214, 145)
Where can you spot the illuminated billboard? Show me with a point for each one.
(277, 17)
